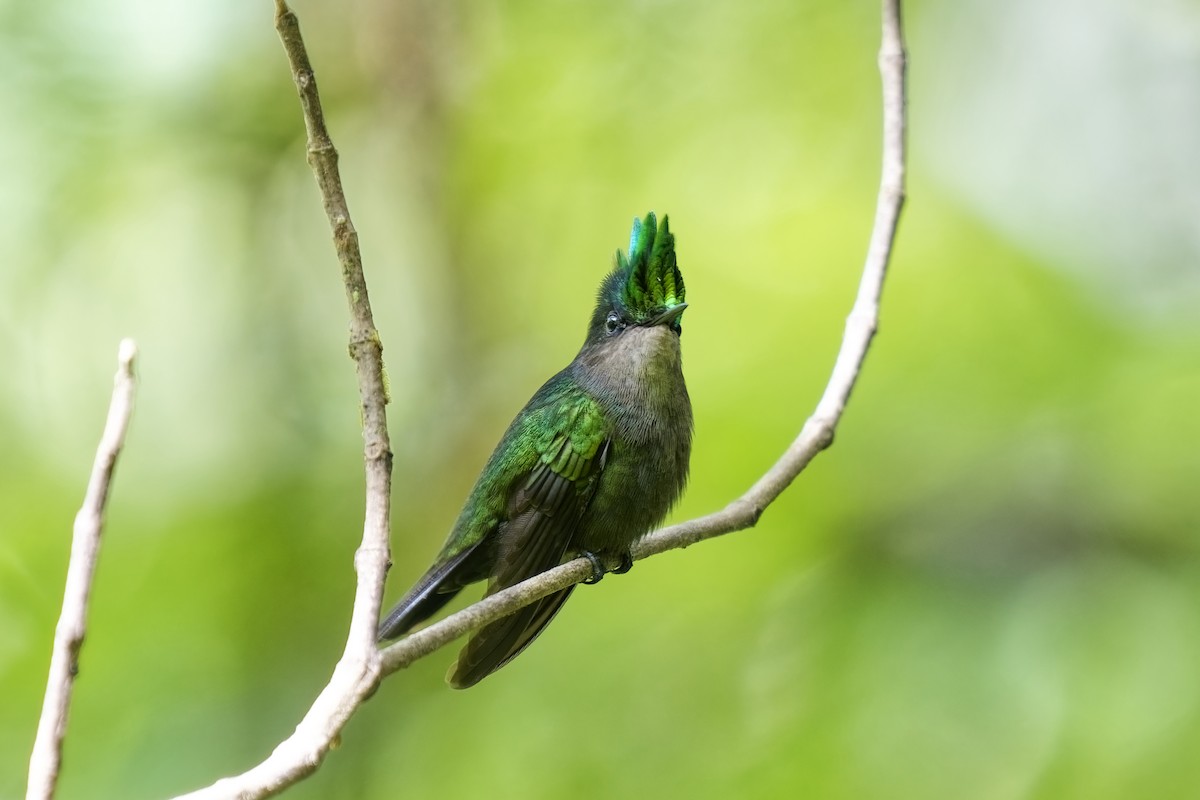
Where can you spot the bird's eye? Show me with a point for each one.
(613, 323)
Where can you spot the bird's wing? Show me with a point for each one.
(542, 516)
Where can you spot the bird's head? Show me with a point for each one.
(645, 288)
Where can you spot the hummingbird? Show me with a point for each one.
(589, 466)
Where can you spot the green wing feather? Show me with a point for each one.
(559, 412)
(519, 521)
(541, 516)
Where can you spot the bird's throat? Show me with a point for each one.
(635, 375)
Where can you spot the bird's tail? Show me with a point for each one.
(496, 644)
(530, 547)
(436, 588)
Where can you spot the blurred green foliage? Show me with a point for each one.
(987, 588)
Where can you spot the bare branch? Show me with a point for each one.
(46, 760)
(815, 436)
(357, 674)
(363, 666)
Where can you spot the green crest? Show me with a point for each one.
(642, 285)
(647, 281)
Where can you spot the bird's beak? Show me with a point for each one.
(667, 316)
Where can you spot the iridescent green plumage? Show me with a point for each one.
(593, 461)
(647, 281)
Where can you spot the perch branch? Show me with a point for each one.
(357, 674)
(46, 760)
(362, 667)
(815, 436)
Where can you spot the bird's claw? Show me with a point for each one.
(624, 564)
(597, 567)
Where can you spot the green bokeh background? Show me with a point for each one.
(987, 588)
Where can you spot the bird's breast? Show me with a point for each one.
(637, 378)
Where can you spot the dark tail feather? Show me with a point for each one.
(437, 587)
(503, 640)
(532, 542)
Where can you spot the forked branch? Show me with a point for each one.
(815, 436)
(363, 666)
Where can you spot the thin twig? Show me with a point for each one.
(362, 667)
(815, 436)
(357, 674)
(46, 760)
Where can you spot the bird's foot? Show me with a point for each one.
(597, 567)
(599, 570)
